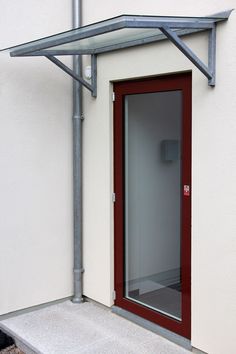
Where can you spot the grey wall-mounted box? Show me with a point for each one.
(170, 150)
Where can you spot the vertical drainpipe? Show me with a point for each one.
(77, 163)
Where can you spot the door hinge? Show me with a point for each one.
(113, 197)
(113, 96)
(114, 295)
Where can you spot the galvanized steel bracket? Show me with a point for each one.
(208, 71)
(91, 87)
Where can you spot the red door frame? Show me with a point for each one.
(181, 82)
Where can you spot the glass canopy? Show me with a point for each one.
(115, 33)
(123, 32)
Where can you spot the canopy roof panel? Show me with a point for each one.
(123, 32)
(115, 33)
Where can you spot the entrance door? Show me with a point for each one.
(152, 144)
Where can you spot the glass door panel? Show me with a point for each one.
(152, 201)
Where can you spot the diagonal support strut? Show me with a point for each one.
(208, 71)
(92, 88)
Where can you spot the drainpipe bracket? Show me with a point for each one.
(79, 271)
(79, 117)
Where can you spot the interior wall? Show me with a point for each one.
(152, 184)
(36, 230)
(213, 165)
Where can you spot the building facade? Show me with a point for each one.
(36, 260)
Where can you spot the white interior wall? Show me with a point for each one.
(213, 166)
(36, 244)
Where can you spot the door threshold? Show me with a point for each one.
(171, 336)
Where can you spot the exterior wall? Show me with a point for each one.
(213, 165)
(36, 164)
(36, 161)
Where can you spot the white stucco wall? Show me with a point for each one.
(36, 170)
(36, 161)
(213, 165)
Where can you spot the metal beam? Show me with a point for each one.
(94, 74)
(174, 38)
(71, 73)
(139, 22)
(212, 55)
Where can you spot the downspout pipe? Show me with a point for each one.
(77, 163)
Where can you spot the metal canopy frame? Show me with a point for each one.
(171, 28)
